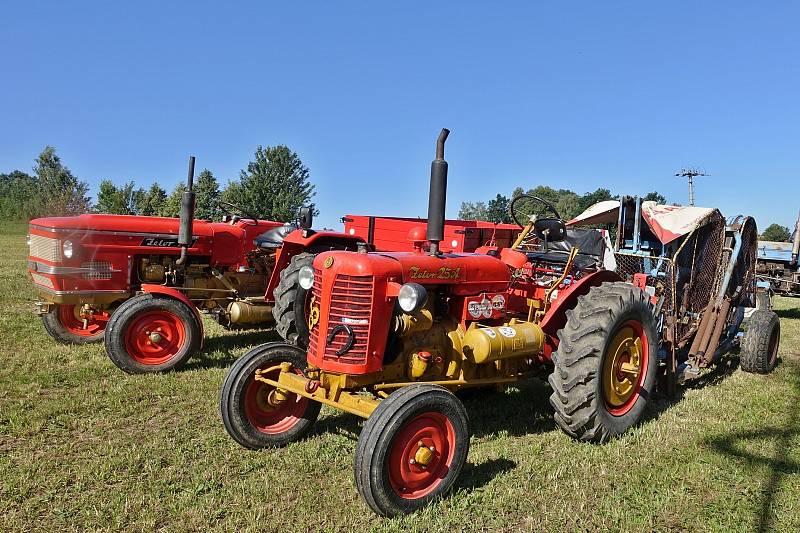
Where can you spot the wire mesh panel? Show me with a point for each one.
(658, 269)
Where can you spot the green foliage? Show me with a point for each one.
(118, 200)
(19, 196)
(274, 186)
(655, 197)
(61, 192)
(776, 233)
(172, 206)
(151, 202)
(473, 211)
(207, 193)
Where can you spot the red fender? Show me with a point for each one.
(556, 317)
(152, 288)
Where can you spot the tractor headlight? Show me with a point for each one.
(28, 240)
(306, 277)
(412, 297)
(66, 248)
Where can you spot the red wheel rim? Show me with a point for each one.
(614, 372)
(408, 478)
(267, 418)
(154, 337)
(71, 319)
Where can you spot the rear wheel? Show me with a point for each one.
(412, 449)
(72, 324)
(290, 302)
(759, 352)
(249, 410)
(150, 333)
(605, 365)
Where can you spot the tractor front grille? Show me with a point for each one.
(350, 306)
(45, 248)
(99, 270)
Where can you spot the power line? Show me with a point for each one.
(691, 174)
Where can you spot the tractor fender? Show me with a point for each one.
(556, 317)
(171, 292)
(323, 240)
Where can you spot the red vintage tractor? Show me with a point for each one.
(392, 335)
(142, 281)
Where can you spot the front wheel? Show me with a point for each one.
(759, 349)
(605, 365)
(71, 324)
(150, 333)
(249, 410)
(412, 449)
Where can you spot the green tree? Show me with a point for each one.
(172, 206)
(776, 233)
(497, 210)
(655, 197)
(473, 211)
(61, 192)
(19, 196)
(591, 198)
(274, 186)
(207, 194)
(151, 202)
(117, 200)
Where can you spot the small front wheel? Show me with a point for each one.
(249, 410)
(71, 324)
(151, 333)
(412, 449)
(759, 352)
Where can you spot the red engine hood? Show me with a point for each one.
(126, 223)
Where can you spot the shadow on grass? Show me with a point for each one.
(788, 313)
(223, 350)
(476, 476)
(779, 465)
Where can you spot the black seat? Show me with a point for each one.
(273, 238)
(590, 245)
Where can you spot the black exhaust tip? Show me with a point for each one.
(437, 195)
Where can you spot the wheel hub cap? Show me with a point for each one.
(622, 366)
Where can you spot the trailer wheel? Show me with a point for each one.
(65, 324)
(290, 301)
(759, 351)
(412, 449)
(150, 333)
(244, 403)
(605, 365)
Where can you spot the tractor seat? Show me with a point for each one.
(273, 238)
(582, 261)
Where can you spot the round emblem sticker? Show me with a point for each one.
(489, 332)
(474, 309)
(505, 331)
(328, 262)
(486, 306)
(499, 302)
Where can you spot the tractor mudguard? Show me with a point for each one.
(307, 239)
(556, 317)
(178, 295)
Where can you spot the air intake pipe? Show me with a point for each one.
(796, 242)
(187, 215)
(437, 195)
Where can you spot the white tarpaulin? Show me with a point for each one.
(668, 222)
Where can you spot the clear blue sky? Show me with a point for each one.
(569, 94)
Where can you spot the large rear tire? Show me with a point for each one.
(150, 333)
(244, 405)
(605, 365)
(759, 351)
(290, 300)
(65, 324)
(411, 449)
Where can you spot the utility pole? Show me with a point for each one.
(691, 174)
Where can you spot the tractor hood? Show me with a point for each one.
(120, 223)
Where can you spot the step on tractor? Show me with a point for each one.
(141, 282)
(394, 335)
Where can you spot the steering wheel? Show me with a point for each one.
(542, 201)
(229, 208)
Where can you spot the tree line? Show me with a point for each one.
(568, 203)
(273, 186)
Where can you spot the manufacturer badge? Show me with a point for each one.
(328, 262)
(313, 313)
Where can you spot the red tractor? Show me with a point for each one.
(392, 335)
(143, 280)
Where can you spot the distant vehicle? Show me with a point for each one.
(777, 269)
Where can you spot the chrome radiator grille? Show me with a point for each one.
(45, 248)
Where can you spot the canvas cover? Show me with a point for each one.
(667, 222)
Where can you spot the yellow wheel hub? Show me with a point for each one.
(622, 366)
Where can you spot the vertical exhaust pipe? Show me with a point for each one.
(796, 242)
(187, 215)
(437, 195)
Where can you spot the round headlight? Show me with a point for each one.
(305, 276)
(66, 247)
(28, 240)
(412, 297)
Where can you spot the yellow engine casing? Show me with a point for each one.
(515, 339)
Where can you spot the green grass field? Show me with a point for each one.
(84, 446)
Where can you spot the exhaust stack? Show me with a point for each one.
(437, 195)
(187, 215)
(796, 242)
